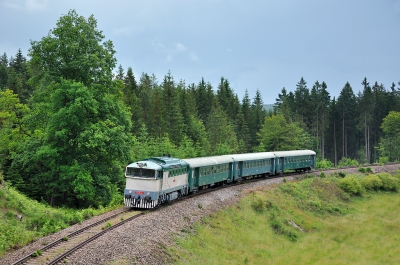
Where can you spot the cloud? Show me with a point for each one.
(179, 47)
(28, 5)
(35, 5)
(123, 31)
(128, 31)
(193, 57)
(174, 49)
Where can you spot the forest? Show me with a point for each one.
(70, 122)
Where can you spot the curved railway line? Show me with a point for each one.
(57, 252)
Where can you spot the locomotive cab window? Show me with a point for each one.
(140, 172)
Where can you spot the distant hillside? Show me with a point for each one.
(268, 107)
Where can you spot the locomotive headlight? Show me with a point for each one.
(130, 191)
(148, 193)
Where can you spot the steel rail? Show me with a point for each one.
(61, 240)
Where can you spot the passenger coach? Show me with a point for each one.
(299, 160)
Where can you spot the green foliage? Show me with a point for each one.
(388, 145)
(37, 253)
(389, 182)
(371, 182)
(345, 162)
(107, 225)
(278, 134)
(351, 185)
(368, 170)
(73, 144)
(362, 170)
(258, 205)
(322, 175)
(24, 220)
(324, 164)
(74, 50)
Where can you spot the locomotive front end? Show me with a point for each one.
(143, 184)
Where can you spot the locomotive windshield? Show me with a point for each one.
(140, 172)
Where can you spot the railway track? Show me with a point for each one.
(58, 251)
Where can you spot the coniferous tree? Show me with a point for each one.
(18, 77)
(221, 134)
(302, 103)
(346, 105)
(258, 115)
(145, 96)
(204, 99)
(3, 72)
(131, 100)
(120, 73)
(365, 112)
(172, 121)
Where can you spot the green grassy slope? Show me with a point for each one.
(23, 220)
(337, 228)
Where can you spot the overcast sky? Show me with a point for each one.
(265, 45)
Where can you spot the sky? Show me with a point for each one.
(254, 44)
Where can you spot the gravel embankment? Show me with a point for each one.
(142, 241)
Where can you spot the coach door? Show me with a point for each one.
(281, 164)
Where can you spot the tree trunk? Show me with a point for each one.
(52, 199)
(343, 139)
(334, 141)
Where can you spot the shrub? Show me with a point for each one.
(258, 205)
(342, 174)
(383, 160)
(324, 164)
(389, 182)
(345, 162)
(362, 170)
(351, 185)
(371, 182)
(322, 175)
(369, 170)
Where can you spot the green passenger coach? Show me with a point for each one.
(206, 171)
(299, 160)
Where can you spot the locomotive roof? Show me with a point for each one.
(251, 156)
(294, 153)
(207, 161)
(160, 162)
(146, 165)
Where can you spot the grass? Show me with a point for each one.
(37, 220)
(338, 228)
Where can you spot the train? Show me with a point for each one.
(157, 180)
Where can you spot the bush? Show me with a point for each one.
(369, 170)
(371, 182)
(324, 164)
(342, 174)
(383, 160)
(389, 182)
(257, 205)
(362, 170)
(345, 162)
(351, 185)
(322, 175)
